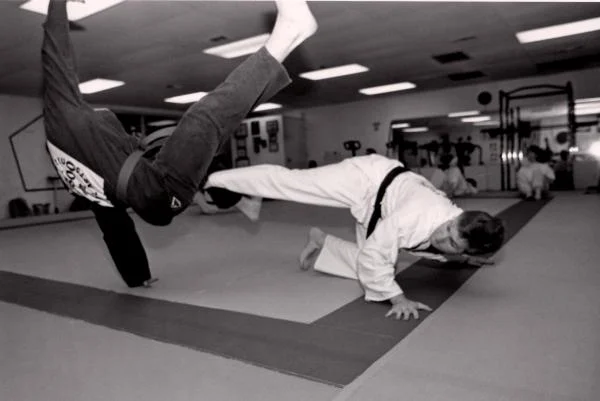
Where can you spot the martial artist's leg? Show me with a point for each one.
(329, 254)
(524, 184)
(540, 184)
(124, 245)
(225, 199)
(61, 97)
(186, 156)
(338, 257)
(335, 185)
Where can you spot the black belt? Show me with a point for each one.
(151, 142)
(380, 193)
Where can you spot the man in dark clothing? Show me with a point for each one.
(89, 147)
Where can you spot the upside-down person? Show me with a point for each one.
(99, 161)
(395, 209)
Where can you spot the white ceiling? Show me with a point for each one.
(156, 46)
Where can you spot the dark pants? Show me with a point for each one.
(161, 188)
(124, 244)
(187, 154)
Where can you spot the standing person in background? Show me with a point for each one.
(563, 170)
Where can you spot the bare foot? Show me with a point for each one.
(308, 256)
(250, 207)
(148, 283)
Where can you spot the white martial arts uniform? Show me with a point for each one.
(411, 210)
(532, 176)
(452, 182)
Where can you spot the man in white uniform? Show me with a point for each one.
(449, 179)
(393, 207)
(534, 178)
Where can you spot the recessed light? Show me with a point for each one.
(187, 98)
(75, 11)
(475, 119)
(162, 123)
(559, 31)
(334, 72)
(98, 85)
(464, 114)
(416, 129)
(376, 90)
(268, 106)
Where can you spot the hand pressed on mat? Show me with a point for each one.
(403, 307)
(478, 261)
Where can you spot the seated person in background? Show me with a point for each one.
(534, 178)
(394, 210)
(449, 179)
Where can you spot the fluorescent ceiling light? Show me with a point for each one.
(75, 11)
(400, 125)
(463, 114)
(586, 105)
(486, 123)
(587, 110)
(162, 123)
(376, 90)
(588, 100)
(558, 31)
(416, 129)
(187, 98)
(594, 149)
(267, 106)
(475, 119)
(98, 85)
(239, 48)
(333, 72)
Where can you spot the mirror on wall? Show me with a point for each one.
(420, 142)
(490, 147)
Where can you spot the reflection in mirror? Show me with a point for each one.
(423, 142)
(491, 150)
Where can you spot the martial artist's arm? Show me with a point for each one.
(124, 244)
(469, 260)
(375, 263)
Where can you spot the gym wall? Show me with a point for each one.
(27, 178)
(328, 127)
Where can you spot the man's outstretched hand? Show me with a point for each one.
(478, 261)
(403, 307)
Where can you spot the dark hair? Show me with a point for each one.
(445, 160)
(483, 232)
